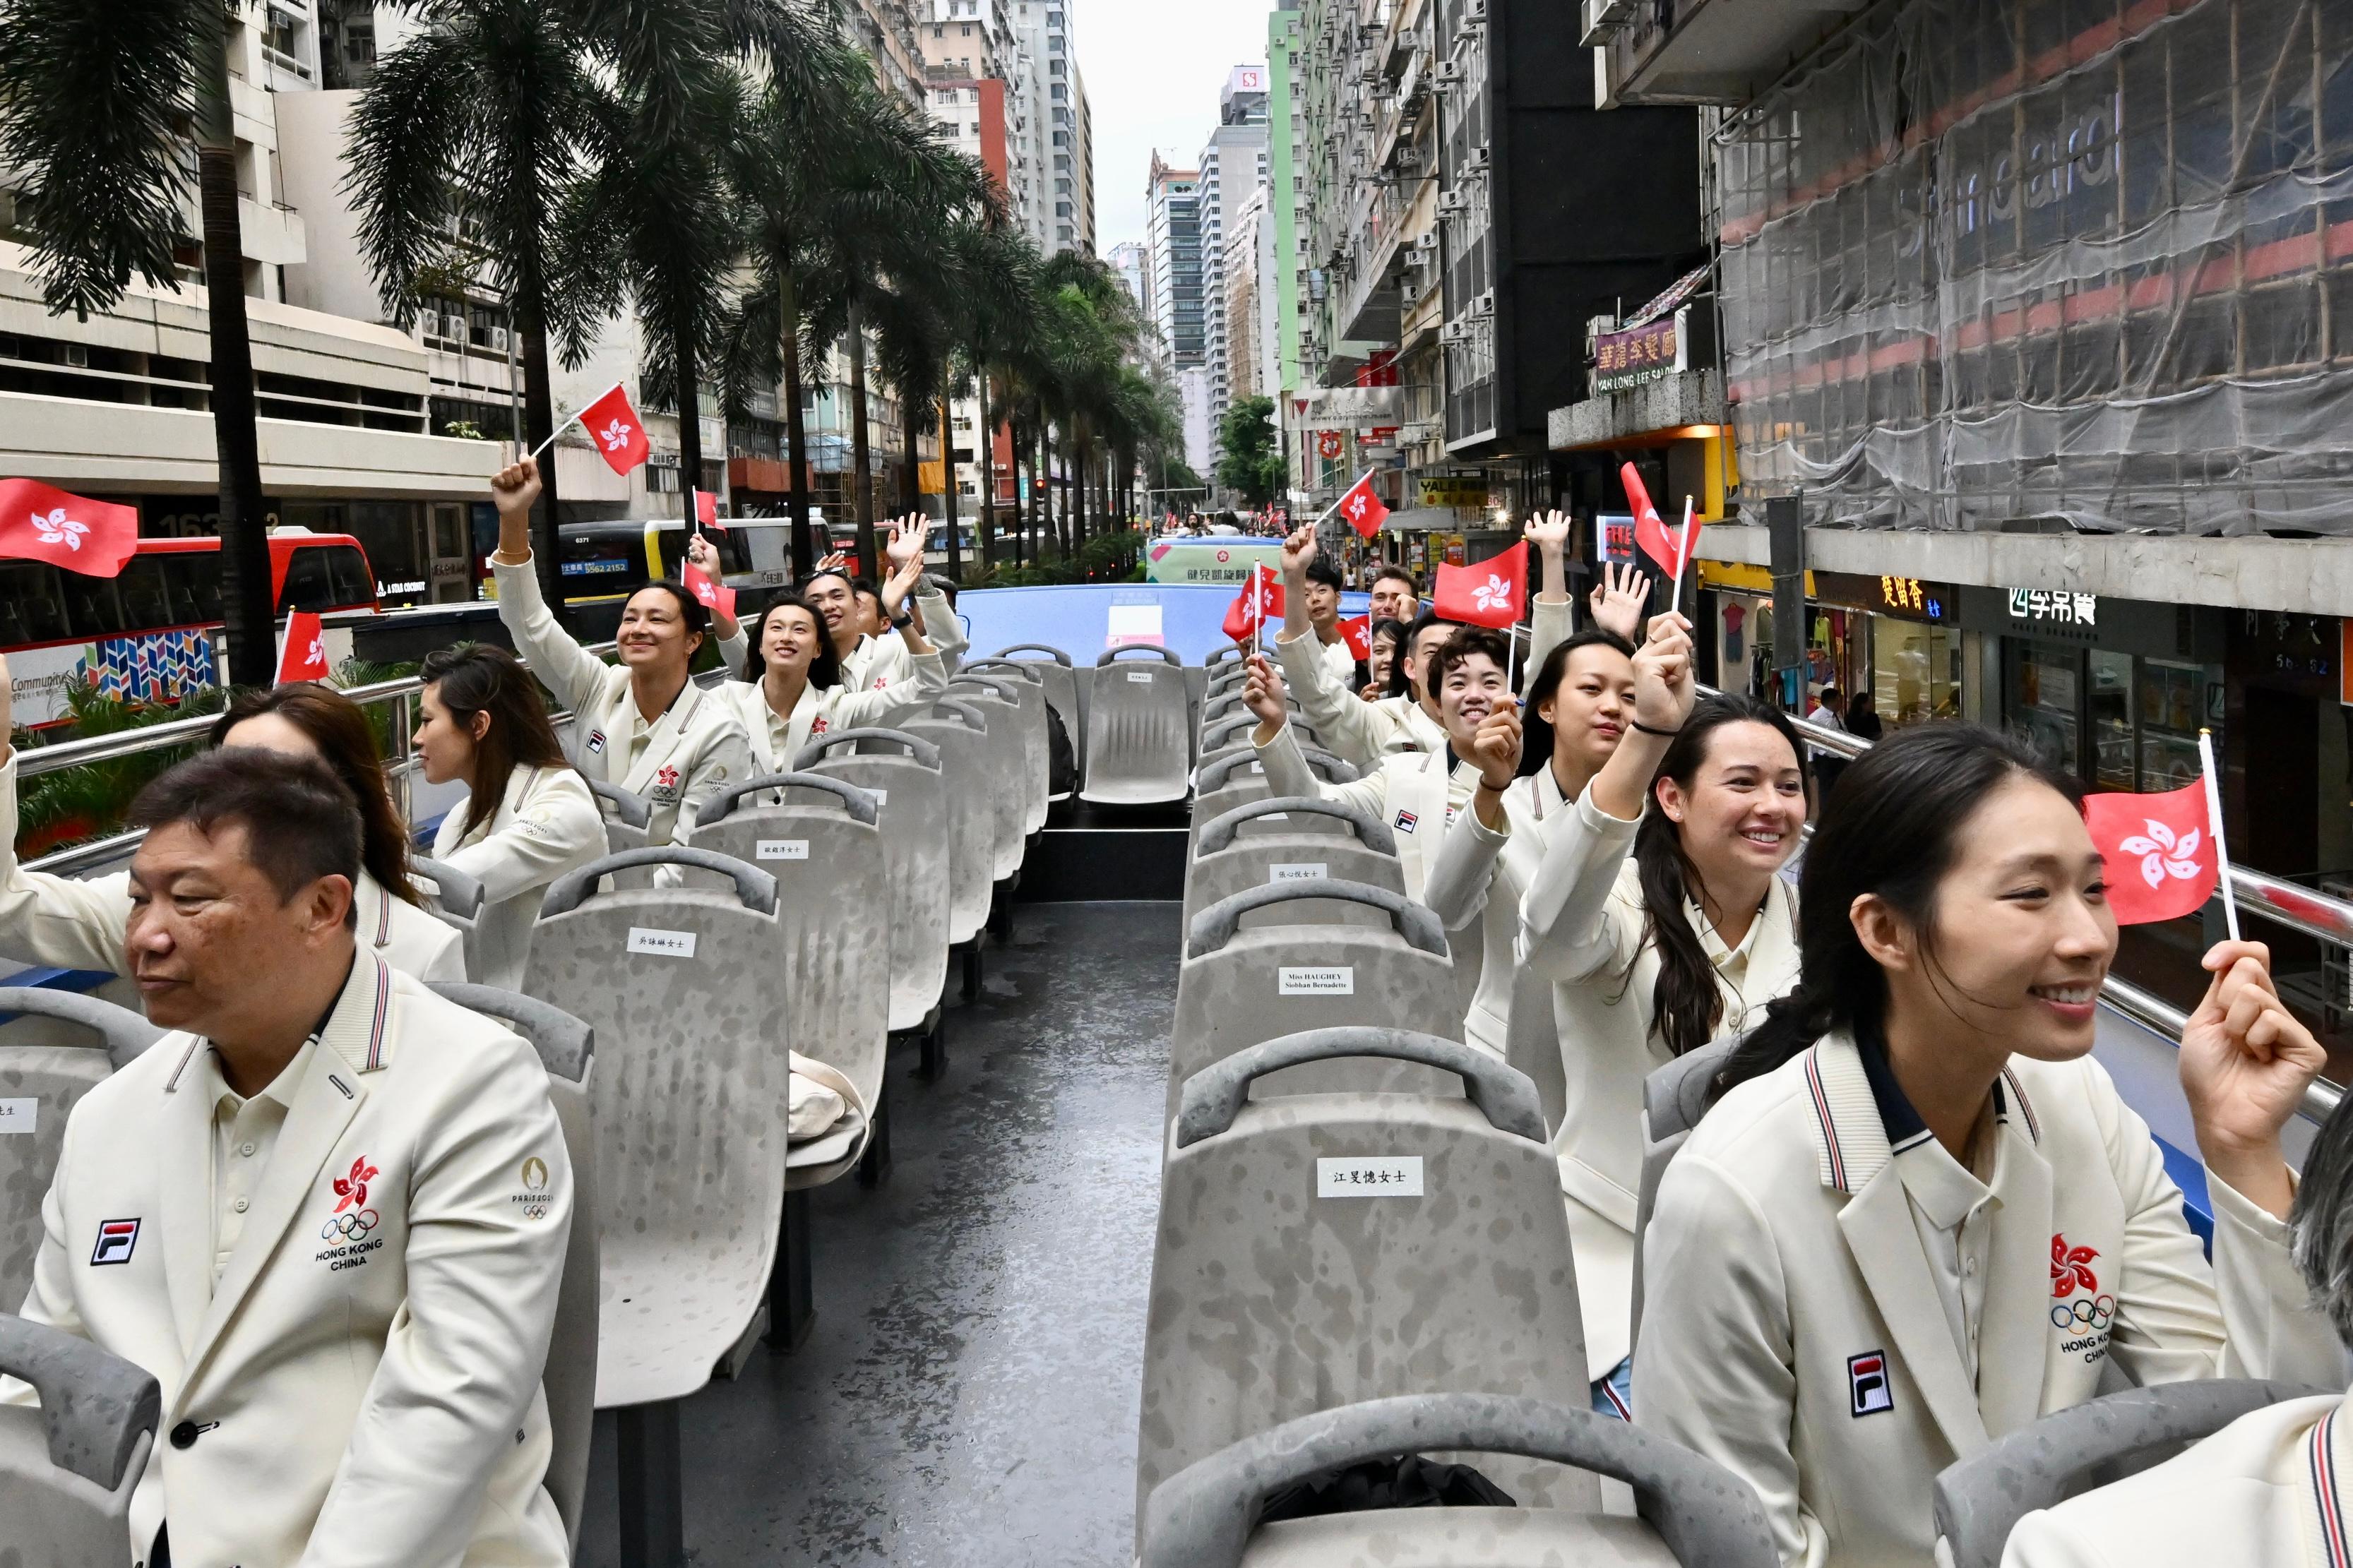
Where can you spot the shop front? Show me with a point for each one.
(1894, 641)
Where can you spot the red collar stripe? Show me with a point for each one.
(1829, 1129)
(2322, 1452)
(383, 1008)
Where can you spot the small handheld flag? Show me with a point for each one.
(303, 656)
(1491, 593)
(714, 596)
(1358, 630)
(613, 429)
(706, 511)
(1364, 510)
(2163, 856)
(1262, 597)
(40, 523)
(1650, 533)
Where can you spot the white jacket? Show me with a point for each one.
(1411, 791)
(361, 1386)
(1793, 1332)
(879, 663)
(695, 749)
(776, 740)
(1581, 927)
(2271, 1488)
(546, 823)
(80, 922)
(1482, 874)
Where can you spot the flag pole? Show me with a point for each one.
(2214, 826)
(1682, 561)
(569, 420)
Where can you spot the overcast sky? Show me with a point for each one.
(1153, 72)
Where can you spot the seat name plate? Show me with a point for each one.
(1385, 1176)
(661, 944)
(20, 1116)
(780, 850)
(1336, 980)
(1140, 676)
(1298, 870)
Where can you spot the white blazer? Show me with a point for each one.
(1482, 875)
(2273, 1488)
(693, 750)
(362, 1385)
(879, 663)
(1792, 1328)
(546, 824)
(777, 740)
(1413, 791)
(78, 922)
(1581, 924)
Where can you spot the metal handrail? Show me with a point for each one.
(2259, 893)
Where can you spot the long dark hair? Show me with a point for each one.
(1398, 685)
(1891, 830)
(336, 725)
(482, 678)
(1685, 1005)
(1536, 730)
(824, 668)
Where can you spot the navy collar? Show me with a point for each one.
(1903, 1124)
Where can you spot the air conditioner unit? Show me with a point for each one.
(1453, 201)
(1477, 158)
(1445, 73)
(1484, 305)
(499, 339)
(1427, 243)
(77, 355)
(1603, 18)
(454, 328)
(1474, 13)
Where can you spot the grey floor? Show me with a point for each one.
(968, 1395)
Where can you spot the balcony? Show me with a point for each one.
(1688, 398)
(1714, 51)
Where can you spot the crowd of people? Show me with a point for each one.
(1910, 1157)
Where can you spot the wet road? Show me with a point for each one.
(968, 1395)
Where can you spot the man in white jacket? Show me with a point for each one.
(329, 1214)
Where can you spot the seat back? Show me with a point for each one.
(1061, 688)
(1238, 778)
(687, 991)
(628, 819)
(901, 772)
(1006, 784)
(68, 1468)
(823, 844)
(1225, 862)
(55, 1047)
(1674, 1097)
(1980, 1500)
(1027, 690)
(1139, 734)
(960, 734)
(567, 1048)
(1323, 1249)
(1231, 732)
(455, 900)
(1239, 987)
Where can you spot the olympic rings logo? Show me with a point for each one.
(348, 1227)
(2084, 1312)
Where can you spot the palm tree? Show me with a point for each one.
(491, 114)
(997, 318)
(102, 102)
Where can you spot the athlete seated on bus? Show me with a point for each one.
(646, 726)
(76, 922)
(528, 817)
(869, 651)
(329, 1214)
(1920, 1216)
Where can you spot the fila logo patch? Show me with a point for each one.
(1866, 1384)
(596, 742)
(1405, 821)
(116, 1237)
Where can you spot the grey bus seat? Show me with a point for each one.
(1139, 734)
(960, 734)
(1061, 685)
(56, 1046)
(1028, 689)
(823, 844)
(455, 900)
(68, 1469)
(1002, 785)
(1233, 733)
(1225, 861)
(1197, 677)
(1239, 987)
(1286, 1281)
(685, 988)
(628, 818)
(1674, 1097)
(1238, 778)
(1690, 1511)
(902, 772)
(1980, 1500)
(568, 1049)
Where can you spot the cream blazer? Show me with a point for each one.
(2271, 1488)
(362, 1385)
(1413, 791)
(694, 750)
(78, 922)
(546, 824)
(1792, 1332)
(1581, 924)
(879, 663)
(776, 741)
(1483, 874)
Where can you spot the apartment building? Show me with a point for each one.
(1233, 169)
(1061, 211)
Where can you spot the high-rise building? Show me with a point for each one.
(1060, 213)
(887, 31)
(1127, 263)
(1286, 282)
(1233, 166)
(1248, 244)
(1173, 239)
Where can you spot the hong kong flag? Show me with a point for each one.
(1650, 533)
(1495, 593)
(1358, 630)
(706, 511)
(39, 522)
(1259, 600)
(715, 595)
(618, 433)
(1364, 510)
(304, 654)
(2161, 849)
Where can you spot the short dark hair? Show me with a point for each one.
(829, 572)
(866, 585)
(692, 612)
(1830, 691)
(1321, 571)
(1392, 570)
(300, 820)
(1466, 641)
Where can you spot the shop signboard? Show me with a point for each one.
(1454, 490)
(1613, 537)
(1629, 358)
(1908, 598)
(1226, 558)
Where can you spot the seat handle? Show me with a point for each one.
(1018, 670)
(921, 750)
(99, 1410)
(565, 1045)
(963, 714)
(1225, 729)
(2040, 1465)
(858, 803)
(1218, 656)
(1217, 770)
(460, 894)
(634, 810)
(127, 1034)
(1057, 654)
(1219, 832)
(755, 887)
(1202, 1516)
(1215, 926)
(996, 686)
(1167, 656)
(1213, 1097)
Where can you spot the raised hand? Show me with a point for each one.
(1495, 747)
(1549, 532)
(1664, 692)
(837, 562)
(1298, 554)
(515, 487)
(1617, 600)
(1263, 694)
(906, 541)
(2246, 1061)
(704, 556)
